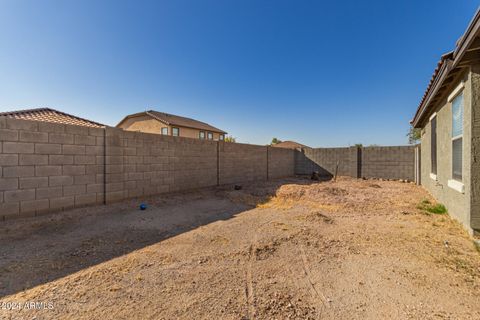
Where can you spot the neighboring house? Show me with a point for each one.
(449, 118)
(50, 115)
(171, 125)
(289, 145)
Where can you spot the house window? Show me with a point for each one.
(175, 132)
(201, 135)
(221, 137)
(457, 137)
(165, 131)
(433, 144)
(210, 136)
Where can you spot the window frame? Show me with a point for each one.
(200, 135)
(433, 142)
(457, 93)
(221, 137)
(161, 131)
(173, 131)
(458, 178)
(209, 135)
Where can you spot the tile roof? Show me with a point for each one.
(445, 57)
(174, 120)
(50, 115)
(448, 66)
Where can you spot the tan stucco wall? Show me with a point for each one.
(142, 123)
(149, 125)
(458, 204)
(194, 133)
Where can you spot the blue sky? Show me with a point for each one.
(324, 73)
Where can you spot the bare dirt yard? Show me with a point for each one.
(289, 249)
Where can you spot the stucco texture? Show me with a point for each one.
(457, 203)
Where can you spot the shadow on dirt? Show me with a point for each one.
(42, 249)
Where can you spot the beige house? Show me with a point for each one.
(168, 124)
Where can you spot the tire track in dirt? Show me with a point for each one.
(249, 292)
(317, 295)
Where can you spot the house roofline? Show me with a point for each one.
(7, 113)
(130, 116)
(442, 70)
(467, 38)
(448, 62)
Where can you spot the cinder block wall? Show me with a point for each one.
(46, 167)
(140, 164)
(324, 161)
(242, 162)
(281, 162)
(388, 162)
(369, 162)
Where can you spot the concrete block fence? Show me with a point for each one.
(370, 162)
(324, 161)
(388, 162)
(47, 167)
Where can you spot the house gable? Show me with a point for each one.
(143, 123)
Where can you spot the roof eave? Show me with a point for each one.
(133, 115)
(442, 74)
(450, 61)
(467, 38)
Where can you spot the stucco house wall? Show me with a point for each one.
(194, 133)
(457, 203)
(458, 67)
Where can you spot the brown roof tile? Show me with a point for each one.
(50, 115)
(440, 63)
(448, 64)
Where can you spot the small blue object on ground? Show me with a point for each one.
(143, 206)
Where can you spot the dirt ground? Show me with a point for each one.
(290, 249)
